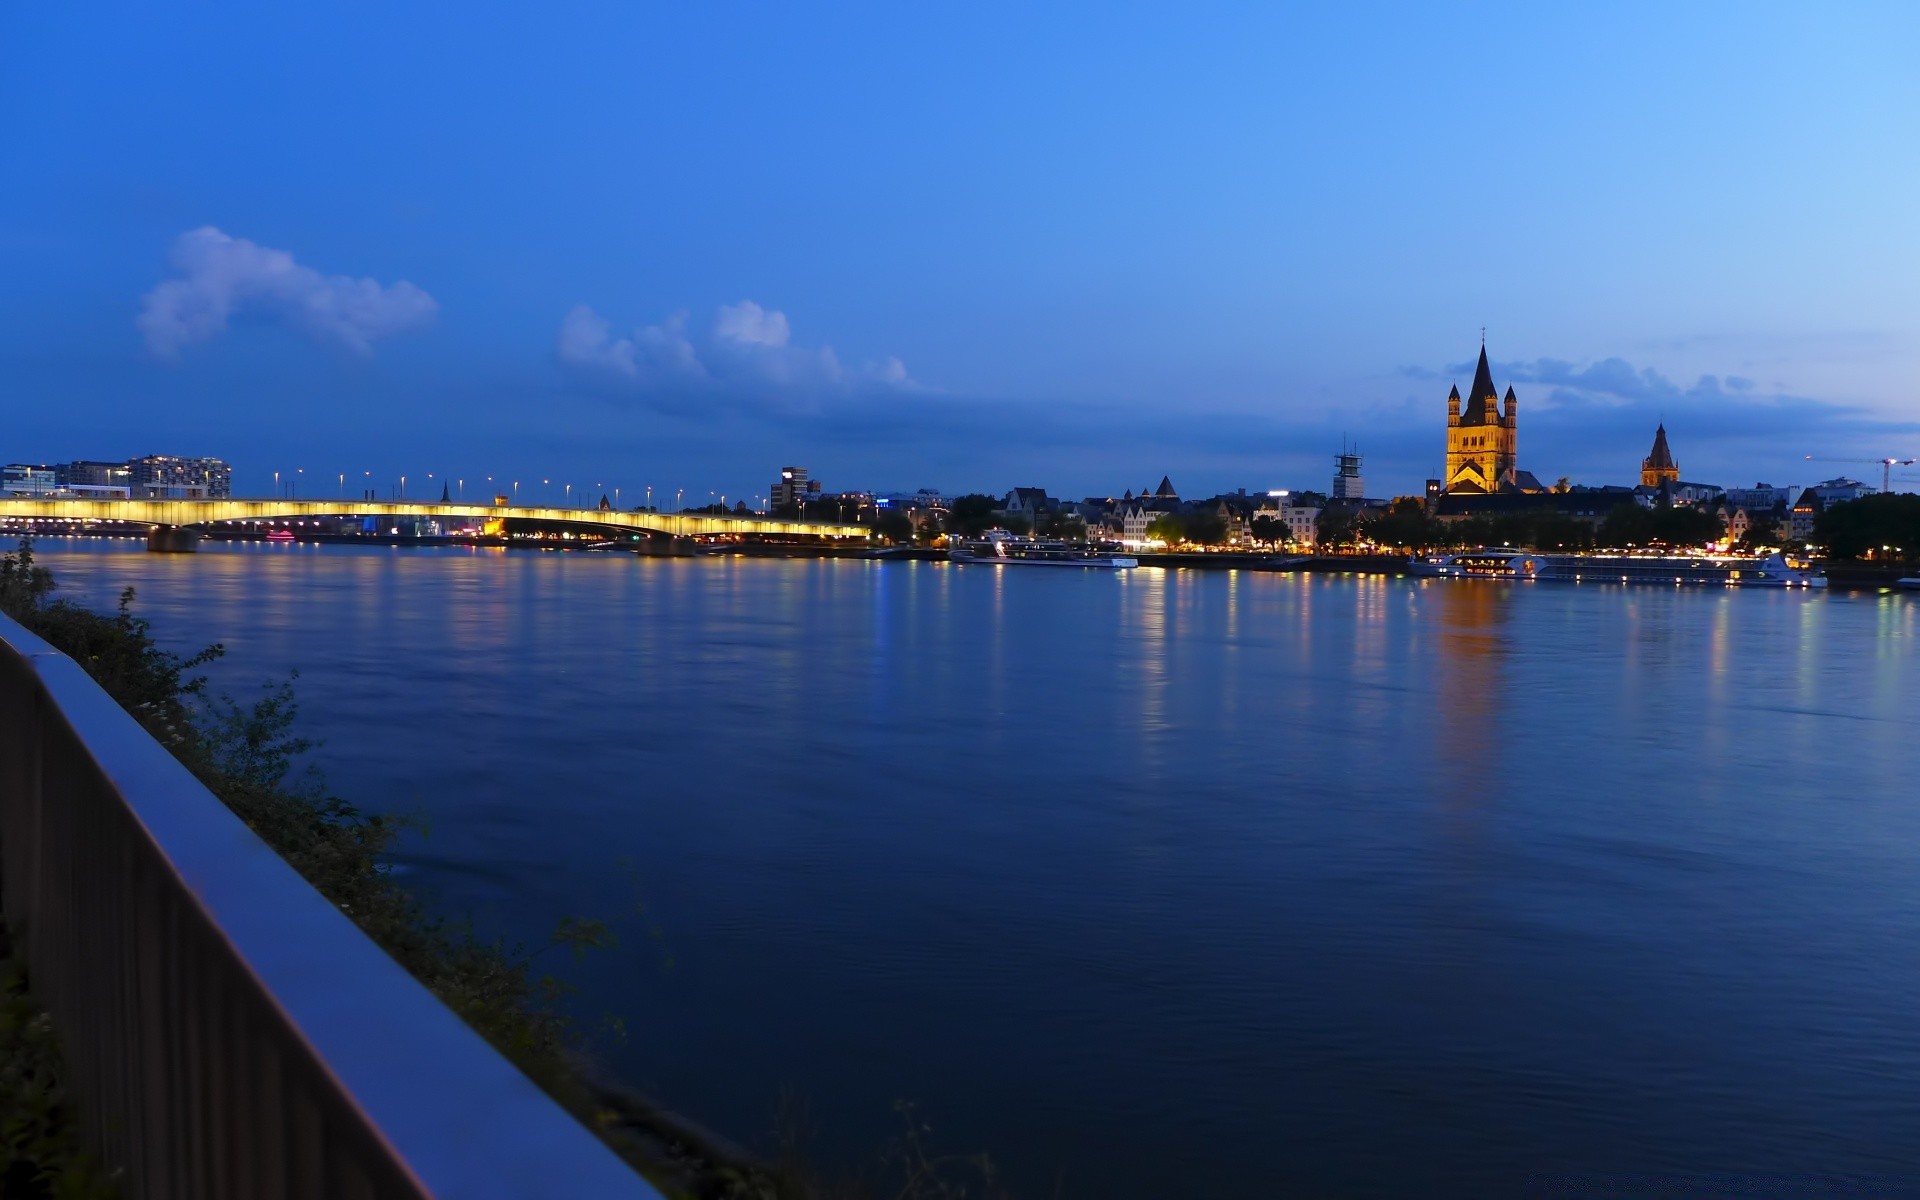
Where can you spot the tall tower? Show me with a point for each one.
(1480, 438)
(1658, 467)
(1347, 483)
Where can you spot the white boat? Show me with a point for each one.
(1911, 583)
(1505, 562)
(1002, 549)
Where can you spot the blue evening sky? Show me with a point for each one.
(966, 246)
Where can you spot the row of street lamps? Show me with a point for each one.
(286, 485)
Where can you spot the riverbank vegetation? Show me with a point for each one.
(250, 755)
(1883, 529)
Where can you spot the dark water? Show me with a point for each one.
(1155, 884)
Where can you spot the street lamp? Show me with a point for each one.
(297, 472)
(403, 487)
(276, 485)
(343, 485)
(677, 494)
(462, 495)
(568, 502)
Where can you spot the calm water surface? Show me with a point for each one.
(1153, 884)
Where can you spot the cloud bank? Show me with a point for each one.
(221, 276)
(746, 350)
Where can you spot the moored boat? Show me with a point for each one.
(1505, 562)
(1003, 549)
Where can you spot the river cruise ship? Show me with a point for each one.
(1711, 570)
(1000, 548)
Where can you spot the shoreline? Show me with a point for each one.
(1844, 577)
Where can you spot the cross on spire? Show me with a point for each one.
(1483, 337)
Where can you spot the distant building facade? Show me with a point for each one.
(29, 479)
(155, 477)
(790, 489)
(167, 477)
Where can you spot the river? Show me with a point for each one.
(1149, 883)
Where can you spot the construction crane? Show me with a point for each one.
(1886, 465)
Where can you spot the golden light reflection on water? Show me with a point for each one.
(1471, 698)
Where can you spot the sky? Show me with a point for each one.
(965, 247)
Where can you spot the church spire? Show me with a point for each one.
(1658, 467)
(1482, 400)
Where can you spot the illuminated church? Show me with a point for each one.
(1482, 440)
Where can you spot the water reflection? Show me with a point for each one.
(1195, 884)
(1471, 693)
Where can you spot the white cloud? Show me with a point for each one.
(747, 324)
(586, 340)
(748, 348)
(222, 275)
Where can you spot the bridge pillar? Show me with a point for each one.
(173, 539)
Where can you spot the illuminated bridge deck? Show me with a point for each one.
(195, 513)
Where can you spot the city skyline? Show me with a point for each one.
(984, 254)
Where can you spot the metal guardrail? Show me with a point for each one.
(230, 1035)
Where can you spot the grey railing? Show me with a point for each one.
(228, 1034)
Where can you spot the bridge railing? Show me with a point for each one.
(228, 1034)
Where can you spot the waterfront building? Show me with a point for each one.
(1833, 491)
(101, 480)
(1761, 497)
(1483, 439)
(1134, 517)
(168, 477)
(1028, 502)
(29, 479)
(1299, 511)
(1818, 498)
(1806, 510)
(791, 489)
(1658, 467)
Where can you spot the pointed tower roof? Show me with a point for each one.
(1128, 498)
(1165, 490)
(1662, 458)
(444, 498)
(1481, 395)
(1453, 393)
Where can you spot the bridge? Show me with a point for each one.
(165, 516)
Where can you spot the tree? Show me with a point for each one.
(1016, 522)
(1406, 525)
(1861, 528)
(970, 515)
(1206, 527)
(1270, 530)
(1763, 532)
(1630, 525)
(1062, 524)
(1169, 528)
(1335, 527)
(893, 525)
